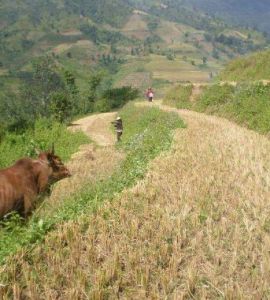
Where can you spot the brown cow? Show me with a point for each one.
(21, 183)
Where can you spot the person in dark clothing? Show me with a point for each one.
(118, 124)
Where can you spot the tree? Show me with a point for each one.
(61, 106)
(204, 59)
(94, 84)
(133, 52)
(152, 25)
(170, 56)
(45, 82)
(16, 113)
(215, 53)
(113, 49)
(71, 83)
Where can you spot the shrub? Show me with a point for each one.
(251, 106)
(247, 104)
(61, 106)
(179, 96)
(117, 97)
(213, 97)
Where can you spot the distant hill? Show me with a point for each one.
(253, 67)
(241, 12)
(32, 27)
(253, 13)
(163, 41)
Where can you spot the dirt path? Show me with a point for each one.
(97, 128)
(196, 91)
(91, 163)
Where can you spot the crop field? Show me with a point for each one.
(139, 80)
(175, 70)
(136, 27)
(169, 32)
(182, 75)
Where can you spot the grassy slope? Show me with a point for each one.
(254, 67)
(147, 133)
(246, 104)
(196, 227)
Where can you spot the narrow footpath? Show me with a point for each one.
(93, 161)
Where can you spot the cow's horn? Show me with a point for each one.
(37, 151)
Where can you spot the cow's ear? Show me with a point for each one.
(50, 156)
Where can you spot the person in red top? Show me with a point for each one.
(150, 94)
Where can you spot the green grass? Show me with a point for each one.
(148, 131)
(253, 67)
(14, 146)
(251, 107)
(245, 104)
(214, 98)
(179, 97)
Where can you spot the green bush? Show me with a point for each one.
(213, 97)
(179, 97)
(117, 97)
(251, 107)
(114, 98)
(102, 105)
(247, 104)
(14, 146)
(61, 106)
(253, 67)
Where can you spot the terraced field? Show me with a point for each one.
(139, 80)
(136, 27)
(175, 70)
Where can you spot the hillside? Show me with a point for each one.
(241, 93)
(196, 226)
(253, 67)
(79, 35)
(179, 208)
(33, 28)
(240, 12)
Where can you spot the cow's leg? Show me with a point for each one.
(28, 205)
(43, 180)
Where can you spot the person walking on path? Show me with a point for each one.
(150, 95)
(118, 124)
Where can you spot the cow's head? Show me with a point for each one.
(59, 170)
